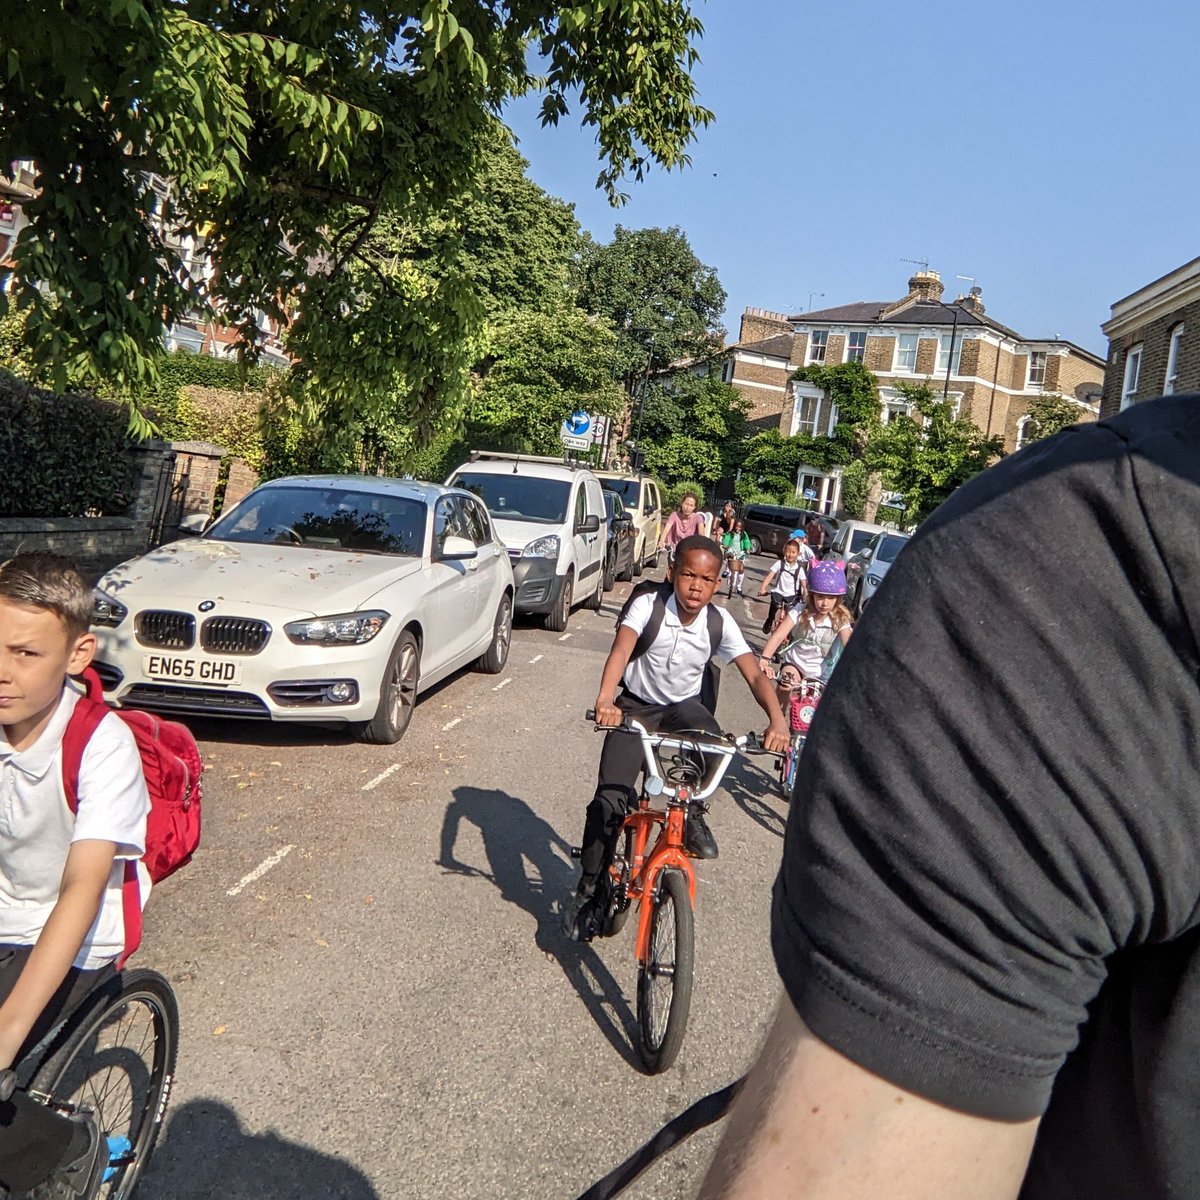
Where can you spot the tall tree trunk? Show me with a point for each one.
(874, 495)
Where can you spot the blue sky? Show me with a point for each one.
(1044, 148)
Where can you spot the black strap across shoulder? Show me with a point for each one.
(700, 1115)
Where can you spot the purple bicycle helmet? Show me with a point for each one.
(827, 577)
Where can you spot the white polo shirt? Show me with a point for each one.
(37, 828)
(673, 666)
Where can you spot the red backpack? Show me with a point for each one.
(172, 767)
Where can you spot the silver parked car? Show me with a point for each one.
(323, 599)
(866, 569)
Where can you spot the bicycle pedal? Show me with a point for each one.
(576, 851)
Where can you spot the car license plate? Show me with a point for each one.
(176, 668)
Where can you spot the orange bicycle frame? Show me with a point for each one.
(666, 853)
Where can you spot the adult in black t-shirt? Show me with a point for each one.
(987, 920)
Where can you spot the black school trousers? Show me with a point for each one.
(34, 1140)
(621, 761)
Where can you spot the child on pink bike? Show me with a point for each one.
(818, 629)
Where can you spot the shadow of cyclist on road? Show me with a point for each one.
(531, 866)
(205, 1153)
(756, 793)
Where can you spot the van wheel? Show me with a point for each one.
(610, 573)
(556, 620)
(755, 545)
(638, 553)
(596, 600)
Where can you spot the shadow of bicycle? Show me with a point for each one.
(755, 790)
(530, 864)
(205, 1153)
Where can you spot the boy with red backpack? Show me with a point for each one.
(70, 871)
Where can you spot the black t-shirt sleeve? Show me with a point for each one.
(999, 791)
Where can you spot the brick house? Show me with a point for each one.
(760, 364)
(1154, 341)
(989, 372)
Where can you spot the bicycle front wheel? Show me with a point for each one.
(116, 1059)
(664, 993)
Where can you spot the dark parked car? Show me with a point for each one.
(622, 537)
(770, 526)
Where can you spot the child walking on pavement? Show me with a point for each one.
(661, 689)
(61, 920)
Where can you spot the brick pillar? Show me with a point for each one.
(242, 480)
(153, 468)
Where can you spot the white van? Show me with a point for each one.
(642, 498)
(550, 515)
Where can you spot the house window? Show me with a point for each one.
(944, 359)
(1173, 361)
(856, 347)
(1037, 368)
(1024, 433)
(894, 405)
(906, 352)
(1133, 368)
(727, 371)
(817, 342)
(815, 416)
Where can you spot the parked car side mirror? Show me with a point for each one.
(589, 524)
(625, 518)
(194, 525)
(457, 549)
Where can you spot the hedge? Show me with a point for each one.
(62, 455)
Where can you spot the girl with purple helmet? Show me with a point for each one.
(818, 628)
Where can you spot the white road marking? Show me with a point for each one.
(451, 724)
(564, 637)
(502, 684)
(374, 783)
(537, 658)
(259, 871)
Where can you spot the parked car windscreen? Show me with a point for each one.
(859, 538)
(326, 518)
(889, 547)
(627, 489)
(511, 497)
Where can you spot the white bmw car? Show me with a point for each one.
(324, 599)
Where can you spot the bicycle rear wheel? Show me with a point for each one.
(116, 1059)
(664, 993)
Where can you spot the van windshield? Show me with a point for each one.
(627, 489)
(511, 497)
(859, 538)
(889, 547)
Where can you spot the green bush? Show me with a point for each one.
(63, 455)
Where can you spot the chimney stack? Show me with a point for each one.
(925, 285)
(973, 301)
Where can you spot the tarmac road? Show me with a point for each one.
(376, 999)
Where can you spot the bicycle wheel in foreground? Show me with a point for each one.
(664, 992)
(116, 1058)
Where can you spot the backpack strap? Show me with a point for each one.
(646, 638)
(716, 629)
(90, 710)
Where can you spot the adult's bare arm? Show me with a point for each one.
(811, 1124)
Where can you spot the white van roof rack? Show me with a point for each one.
(514, 457)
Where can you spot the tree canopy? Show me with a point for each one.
(664, 303)
(1049, 414)
(286, 131)
(925, 460)
(691, 427)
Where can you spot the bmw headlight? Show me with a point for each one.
(874, 580)
(543, 547)
(345, 629)
(106, 611)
